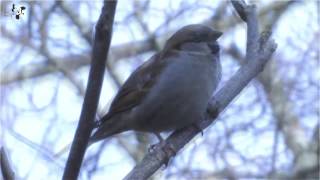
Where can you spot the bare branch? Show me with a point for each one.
(99, 55)
(239, 6)
(5, 167)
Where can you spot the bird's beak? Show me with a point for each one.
(215, 35)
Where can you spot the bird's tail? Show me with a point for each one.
(109, 127)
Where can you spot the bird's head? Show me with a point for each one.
(192, 33)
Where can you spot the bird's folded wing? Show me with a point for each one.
(137, 86)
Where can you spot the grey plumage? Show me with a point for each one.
(171, 90)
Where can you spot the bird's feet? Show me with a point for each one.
(195, 125)
(213, 108)
(166, 149)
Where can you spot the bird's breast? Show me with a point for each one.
(181, 94)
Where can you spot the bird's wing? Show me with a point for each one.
(137, 86)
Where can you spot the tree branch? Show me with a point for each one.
(99, 55)
(5, 167)
(259, 51)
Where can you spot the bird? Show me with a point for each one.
(169, 91)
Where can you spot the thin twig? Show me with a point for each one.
(5, 167)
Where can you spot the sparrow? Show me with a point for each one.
(169, 91)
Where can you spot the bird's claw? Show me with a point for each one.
(198, 128)
(165, 148)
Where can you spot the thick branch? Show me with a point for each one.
(258, 53)
(99, 55)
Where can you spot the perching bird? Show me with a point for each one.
(171, 90)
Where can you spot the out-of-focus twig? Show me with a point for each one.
(5, 166)
(118, 52)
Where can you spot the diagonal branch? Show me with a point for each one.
(99, 55)
(259, 51)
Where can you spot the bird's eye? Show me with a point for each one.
(214, 47)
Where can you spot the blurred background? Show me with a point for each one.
(271, 130)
